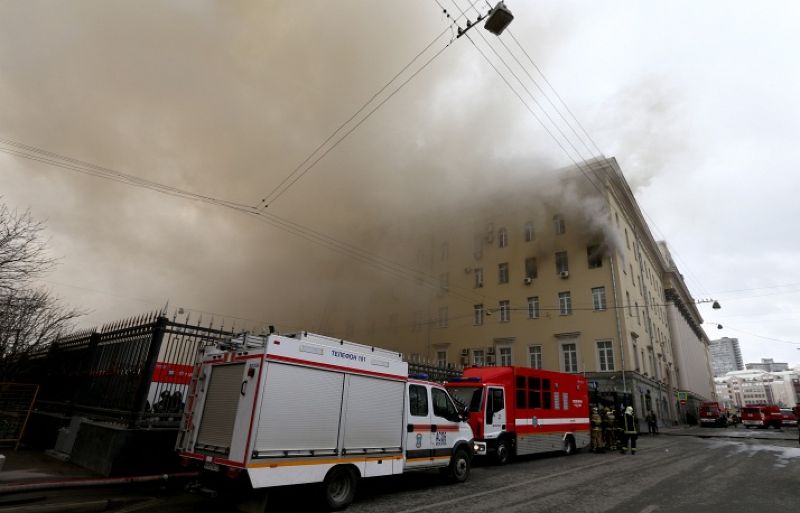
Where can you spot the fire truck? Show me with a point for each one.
(305, 408)
(761, 416)
(712, 414)
(518, 410)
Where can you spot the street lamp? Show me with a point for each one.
(497, 19)
(715, 304)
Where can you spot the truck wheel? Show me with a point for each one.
(340, 487)
(503, 453)
(459, 466)
(569, 446)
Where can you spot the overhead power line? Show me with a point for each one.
(378, 262)
(301, 170)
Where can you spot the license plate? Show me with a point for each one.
(209, 465)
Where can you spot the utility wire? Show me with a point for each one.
(283, 186)
(528, 107)
(376, 261)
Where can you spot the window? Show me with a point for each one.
(599, 298)
(533, 307)
(535, 357)
(564, 303)
(477, 319)
(628, 302)
(478, 247)
(627, 240)
(562, 263)
(531, 270)
(478, 277)
(443, 317)
(418, 400)
(529, 235)
(443, 406)
(605, 355)
(505, 356)
(636, 357)
(636, 307)
(559, 225)
(502, 273)
(569, 357)
(594, 256)
(505, 310)
(441, 358)
(502, 238)
(477, 357)
(444, 281)
(417, 325)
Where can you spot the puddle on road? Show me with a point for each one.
(783, 455)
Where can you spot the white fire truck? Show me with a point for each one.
(307, 408)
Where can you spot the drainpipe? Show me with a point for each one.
(616, 317)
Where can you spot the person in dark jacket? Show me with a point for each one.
(630, 430)
(597, 430)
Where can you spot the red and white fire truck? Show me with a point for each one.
(307, 408)
(518, 410)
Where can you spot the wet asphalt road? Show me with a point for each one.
(713, 470)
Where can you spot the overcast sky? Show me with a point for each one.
(698, 101)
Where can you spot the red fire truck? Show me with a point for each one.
(518, 410)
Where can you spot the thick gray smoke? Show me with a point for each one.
(225, 99)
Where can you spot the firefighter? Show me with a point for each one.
(609, 429)
(597, 430)
(630, 430)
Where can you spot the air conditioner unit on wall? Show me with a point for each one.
(528, 280)
(465, 352)
(564, 274)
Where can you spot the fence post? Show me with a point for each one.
(85, 374)
(140, 399)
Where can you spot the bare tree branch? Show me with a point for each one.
(30, 318)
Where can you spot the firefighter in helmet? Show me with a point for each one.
(630, 430)
(597, 430)
(609, 429)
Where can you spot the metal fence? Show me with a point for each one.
(134, 372)
(16, 402)
(434, 371)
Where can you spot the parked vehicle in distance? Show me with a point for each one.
(788, 417)
(713, 415)
(762, 416)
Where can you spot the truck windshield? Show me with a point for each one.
(468, 398)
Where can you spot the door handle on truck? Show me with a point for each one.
(244, 384)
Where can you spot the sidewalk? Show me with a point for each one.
(787, 433)
(31, 466)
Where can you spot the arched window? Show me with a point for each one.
(528, 232)
(502, 238)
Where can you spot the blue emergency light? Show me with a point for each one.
(461, 379)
